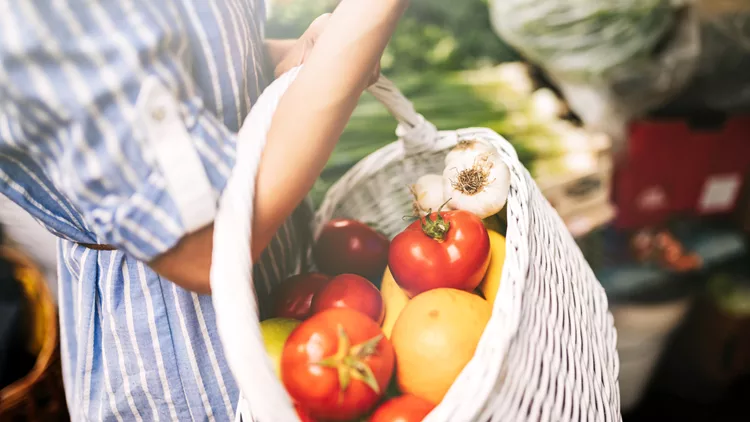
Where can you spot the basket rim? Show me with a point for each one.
(17, 392)
(445, 139)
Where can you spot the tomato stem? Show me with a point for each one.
(368, 347)
(348, 361)
(438, 227)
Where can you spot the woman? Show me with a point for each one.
(118, 122)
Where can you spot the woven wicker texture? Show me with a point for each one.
(548, 352)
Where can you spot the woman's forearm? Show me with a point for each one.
(313, 112)
(306, 126)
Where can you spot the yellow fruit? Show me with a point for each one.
(491, 282)
(275, 332)
(394, 300)
(434, 338)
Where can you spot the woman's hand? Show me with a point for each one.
(288, 54)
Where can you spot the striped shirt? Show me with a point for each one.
(118, 122)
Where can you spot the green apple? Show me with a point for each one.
(275, 331)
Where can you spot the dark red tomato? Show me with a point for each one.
(406, 408)
(350, 291)
(337, 364)
(448, 249)
(293, 298)
(351, 247)
(302, 414)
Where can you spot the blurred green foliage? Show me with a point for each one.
(435, 41)
(450, 100)
(433, 34)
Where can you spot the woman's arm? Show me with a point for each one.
(303, 133)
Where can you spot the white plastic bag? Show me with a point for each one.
(722, 78)
(613, 60)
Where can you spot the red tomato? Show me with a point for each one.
(350, 291)
(406, 408)
(351, 247)
(337, 364)
(293, 298)
(302, 414)
(448, 249)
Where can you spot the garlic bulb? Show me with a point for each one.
(468, 150)
(479, 185)
(428, 194)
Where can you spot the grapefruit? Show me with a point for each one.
(434, 338)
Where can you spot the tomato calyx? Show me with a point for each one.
(436, 228)
(348, 361)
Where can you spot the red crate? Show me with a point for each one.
(674, 166)
(722, 185)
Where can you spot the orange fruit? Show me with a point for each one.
(434, 338)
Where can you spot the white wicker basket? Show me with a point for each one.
(548, 352)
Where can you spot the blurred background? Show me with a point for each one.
(634, 118)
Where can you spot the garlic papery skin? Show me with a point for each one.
(428, 194)
(467, 150)
(479, 186)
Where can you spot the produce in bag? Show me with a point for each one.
(722, 79)
(510, 365)
(613, 60)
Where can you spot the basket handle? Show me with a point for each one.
(397, 104)
(415, 131)
(233, 292)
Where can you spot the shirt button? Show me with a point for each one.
(158, 113)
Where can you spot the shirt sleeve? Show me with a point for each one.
(101, 97)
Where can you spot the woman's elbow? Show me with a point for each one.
(188, 264)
